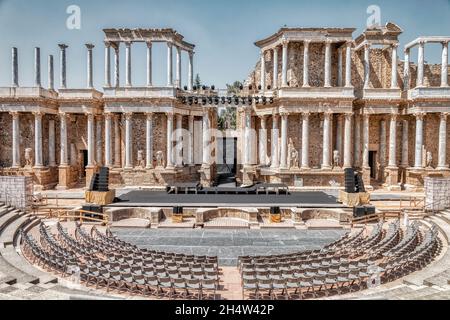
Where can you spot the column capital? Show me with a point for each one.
(169, 44)
(306, 115)
(63, 46)
(349, 44)
(306, 43)
(394, 116)
(422, 43)
(348, 116)
(90, 115)
(328, 115)
(149, 44)
(420, 115)
(38, 114)
(107, 44)
(169, 114)
(191, 53)
(275, 115)
(108, 115)
(14, 114)
(328, 42)
(444, 44)
(89, 46)
(284, 114)
(395, 45)
(128, 44)
(149, 115)
(367, 46)
(444, 116)
(284, 42)
(262, 116)
(128, 115)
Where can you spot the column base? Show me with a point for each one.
(206, 175)
(392, 179)
(64, 178)
(326, 167)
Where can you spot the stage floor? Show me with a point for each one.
(162, 199)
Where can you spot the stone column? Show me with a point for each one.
(37, 67)
(178, 71)
(383, 138)
(366, 118)
(306, 64)
(348, 65)
(98, 140)
(108, 154)
(443, 142)
(149, 64)
(117, 146)
(117, 65)
(275, 136)
(169, 65)
(420, 64)
(348, 141)
(128, 64)
(64, 145)
(263, 72)
(406, 71)
(191, 140)
(247, 137)
(149, 141)
(263, 141)
(419, 141)
(107, 65)
(327, 82)
(179, 140)
(51, 143)
(366, 66)
(275, 68)
(326, 162)
(284, 66)
(63, 65)
(15, 140)
(90, 68)
(206, 137)
(339, 141)
(305, 141)
(170, 160)
(51, 73)
(38, 159)
(405, 146)
(128, 141)
(90, 140)
(15, 68)
(191, 71)
(357, 143)
(340, 67)
(393, 142)
(394, 82)
(444, 72)
(284, 140)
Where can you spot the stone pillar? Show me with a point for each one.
(117, 65)
(178, 71)
(15, 68)
(149, 141)
(64, 161)
(169, 65)
(128, 141)
(383, 138)
(284, 66)
(107, 65)
(170, 160)
(191, 71)
(51, 73)
(128, 64)
(406, 71)
(263, 72)
(90, 72)
(63, 65)
(275, 68)
(306, 64)
(247, 137)
(420, 64)
(275, 151)
(443, 143)
(348, 141)
(15, 140)
(444, 72)
(357, 143)
(405, 144)
(326, 160)
(206, 138)
(263, 141)
(37, 67)
(327, 82)
(339, 140)
(348, 65)
(51, 143)
(419, 141)
(393, 142)
(284, 140)
(90, 140)
(366, 118)
(149, 64)
(366, 66)
(117, 145)
(340, 67)
(191, 140)
(179, 140)
(108, 154)
(394, 82)
(98, 140)
(305, 141)
(38, 159)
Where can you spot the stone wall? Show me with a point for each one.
(16, 191)
(437, 193)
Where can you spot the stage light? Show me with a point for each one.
(236, 101)
(191, 100)
(259, 87)
(271, 100)
(216, 101)
(250, 100)
(204, 87)
(213, 87)
(204, 101)
(229, 100)
(257, 100)
(269, 87)
(196, 100)
(241, 87)
(210, 100)
(194, 88)
(243, 100)
(183, 100)
(264, 100)
(185, 88)
(250, 87)
(222, 100)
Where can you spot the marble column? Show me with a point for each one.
(339, 140)
(405, 144)
(327, 73)
(383, 138)
(149, 64)
(284, 141)
(63, 65)
(275, 68)
(15, 67)
(284, 65)
(366, 119)
(263, 71)
(191, 140)
(444, 71)
(326, 159)
(191, 71)
(340, 67)
(90, 67)
(117, 66)
(420, 64)
(263, 141)
(149, 141)
(348, 65)
(51, 73)
(419, 141)
(64, 143)
(179, 140)
(37, 67)
(38, 156)
(108, 154)
(178, 71)
(169, 65)
(393, 142)
(366, 66)
(98, 140)
(128, 141)
(107, 65)
(247, 137)
(117, 144)
(348, 141)
(51, 143)
(442, 165)
(357, 143)
(90, 140)
(394, 81)
(306, 64)
(305, 141)
(275, 151)
(406, 70)
(206, 137)
(15, 140)
(128, 82)
(170, 160)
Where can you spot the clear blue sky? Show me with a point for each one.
(223, 31)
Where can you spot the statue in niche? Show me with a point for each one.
(28, 157)
(159, 159)
(336, 159)
(140, 159)
(429, 159)
(293, 155)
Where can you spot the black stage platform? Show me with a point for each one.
(162, 199)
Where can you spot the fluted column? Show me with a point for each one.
(169, 65)
(406, 70)
(284, 140)
(348, 140)
(357, 142)
(383, 138)
(117, 144)
(306, 64)
(15, 140)
(420, 64)
(108, 154)
(128, 141)
(206, 137)
(98, 140)
(326, 159)
(340, 67)
(419, 141)
(178, 71)
(51, 143)
(348, 64)
(37, 67)
(339, 138)
(247, 137)
(149, 64)
(170, 160)
(263, 141)
(107, 65)
(393, 142)
(117, 65)
(179, 140)
(327, 73)
(149, 141)
(128, 82)
(284, 66)
(305, 140)
(366, 66)
(63, 65)
(90, 140)
(38, 158)
(191, 71)
(15, 67)
(405, 144)
(64, 145)
(191, 140)
(275, 68)
(90, 67)
(443, 142)
(444, 71)
(275, 151)
(263, 72)
(51, 73)
(394, 81)
(366, 118)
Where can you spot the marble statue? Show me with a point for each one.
(292, 154)
(160, 159)
(429, 159)
(140, 159)
(28, 157)
(336, 159)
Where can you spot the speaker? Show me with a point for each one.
(370, 210)
(359, 212)
(177, 210)
(275, 210)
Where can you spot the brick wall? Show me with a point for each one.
(16, 190)
(437, 193)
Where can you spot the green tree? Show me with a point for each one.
(234, 88)
(197, 81)
(227, 119)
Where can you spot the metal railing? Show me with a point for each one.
(81, 216)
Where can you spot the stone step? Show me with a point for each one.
(390, 293)
(9, 233)
(442, 295)
(8, 218)
(4, 210)
(419, 293)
